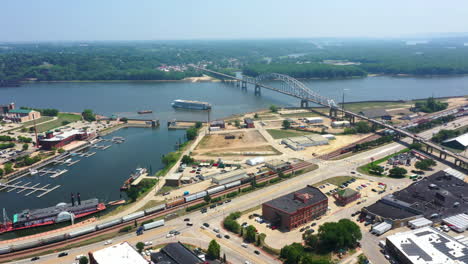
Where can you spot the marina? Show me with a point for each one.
(21, 187)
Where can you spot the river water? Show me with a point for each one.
(102, 174)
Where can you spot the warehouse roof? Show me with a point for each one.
(175, 253)
(372, 113)
(429, 246)
(463, 140)
(20, 111)
(294, 201)
(121, 253)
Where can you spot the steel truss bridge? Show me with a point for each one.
(292, 87)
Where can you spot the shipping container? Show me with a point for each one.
(175, 202)
(81, 232)
(232, 184)
(109, 224)
(153, 225)
(216, 189)
(133, 216)
(155, 209)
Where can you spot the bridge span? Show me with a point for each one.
(292, 87)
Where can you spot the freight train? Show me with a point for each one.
(18, 246)
(134, 216)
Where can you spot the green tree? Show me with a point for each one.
(255, 115)
(124, 119)
(311, 240)
(237, 123)
(65, 122)
(250, 234)
(60, 150)
(339, 235)
(214, 250)
(397, 172)
(274, 108)
(187, 160)
(198, 124)
(169, 158)
(362, 127)
(8, 167)
(292, 254)
(207, 198)
(1, 172)
(83, 260)
(362, 259)
(132, 193)
(140, 246)
(286, 124)
(375, 169)
(416, 145)
(25, 146)
(88, 115)
(425, 164)
(191, 133)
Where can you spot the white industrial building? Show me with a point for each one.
(336, 124)
(234, 175)
(419, 223)
(255, 161)
(313, 120)
(121, 253)
(426, 246)
(299, 143)
(381, 228)
(457, 222)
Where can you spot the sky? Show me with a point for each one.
(62, 20)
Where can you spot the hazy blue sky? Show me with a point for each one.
(39, 20)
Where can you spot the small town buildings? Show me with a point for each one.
(346, 196)
(60, 139)
(295, 209)
(255, 161)
(22, 115)
(218, 123)
(249, 123)
(5, 108)
(234, 175)
(338, 124)
(313, 120)
(278, 165)
(426, 246)
(121, 253)
(376, 113)
(177, 253)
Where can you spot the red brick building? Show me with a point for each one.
(60, 139)
(346, 196)
(295, 209)
(249, 123)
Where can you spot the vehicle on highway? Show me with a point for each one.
(189, 224)
(206, 224)
(203, 210)
(108, 242)
(35, 258)
(212, 206)
(228, 201)
(313, 224)
(63, 254)
(216, 230)
(244, 245)
(227, 236)
(219, 236)
(257, 252)
(187, 219)
(148, 243)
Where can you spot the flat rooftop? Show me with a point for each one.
(287, 203)
(62, 135)
(429, 246)
(435, 197)
(121, 253)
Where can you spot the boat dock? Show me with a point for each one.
(27, 187)
(101, 147)
(142, 177)
(67, 162)
(53, 173)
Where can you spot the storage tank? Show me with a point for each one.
(109, 224)
(155, 209)
(153, 224)
(81, 232)
(133, 216)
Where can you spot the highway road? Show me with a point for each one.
(232, 247)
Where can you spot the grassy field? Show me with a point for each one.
(282, 133)
(58, 122)
(337, 181)
(38, 121)
(307, 114)
(365, 168)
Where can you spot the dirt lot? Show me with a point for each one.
(242, 139)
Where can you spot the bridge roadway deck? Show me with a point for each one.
(398, 130)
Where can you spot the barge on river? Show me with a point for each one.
(62, 212)
(187, 104)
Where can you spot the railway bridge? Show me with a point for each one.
(292, 87)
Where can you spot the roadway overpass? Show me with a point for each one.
(292, 87)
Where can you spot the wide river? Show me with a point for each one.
(102, 174)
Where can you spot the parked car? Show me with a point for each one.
(203, 210)
(227, 236)
(244, 245)
(187, 219)
(206, 224)
(63, 254)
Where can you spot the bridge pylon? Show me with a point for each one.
(238, 83)
(244, 85)
(333, 112)
(258, 90)
(304, 104)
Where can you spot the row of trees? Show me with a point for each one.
(44, 111)
(431, 105)
(445, 134)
